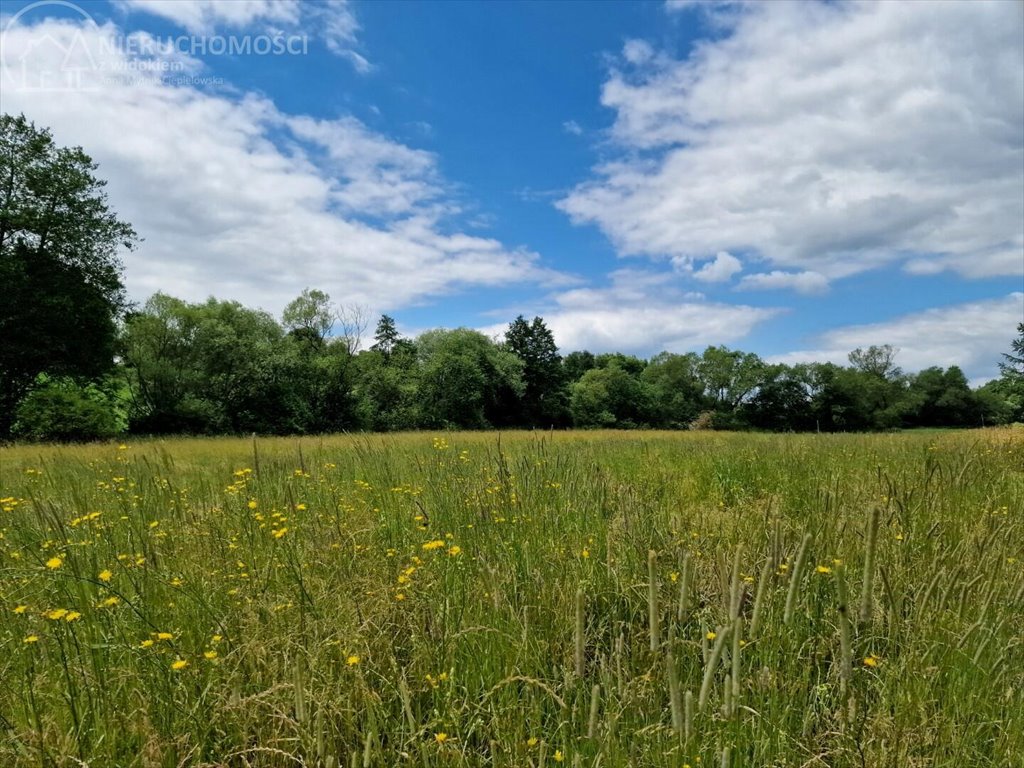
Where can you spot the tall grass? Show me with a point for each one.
(593, 599)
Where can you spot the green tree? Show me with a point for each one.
(220, 367)
(543, 403)
(611, 396)
(878, 361)
(676, 392)
(466, 380)
(575, 364)
(1003, 398)
(386, 336)
(310, 315)
(729, 376)
(59, 243)
(65, 411)
(1012, 365)
(782, 402)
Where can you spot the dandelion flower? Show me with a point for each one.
(178, 664)
(163, 636)
(441, 738)
(56, 614)
(211, 655)
(559, 757)
(871, 661)
(72, 616)
(711, 635)
(31, 639)
(823, 569)
(454, 550)
(352, 660)
(54, 563)
(431, 545)
(20, 608)
(105, 575)
(146, 644)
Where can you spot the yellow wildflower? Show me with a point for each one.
(823, 569)
(559, 757)
(72, 616)
(352, 660)
(56, 614)
(871, 661)
(454, 550)
(211, 655)
(163, 635)
(441, 738)
(54, 563)
(178, 664)
(431, 545)
(105, 575)
(711, 635)
(146, 643)
(20, 608)
(31, 639)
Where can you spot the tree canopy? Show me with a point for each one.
(76, 362)
(59, 265)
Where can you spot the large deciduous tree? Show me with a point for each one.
(466, 380)
(59, 265)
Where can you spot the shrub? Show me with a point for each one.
(65, 411)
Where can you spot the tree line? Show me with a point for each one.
(77, 361)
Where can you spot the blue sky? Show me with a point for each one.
(791, 179)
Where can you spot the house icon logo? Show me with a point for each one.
(36, 59)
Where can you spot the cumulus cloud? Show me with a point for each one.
(801, 282)
(718, 270)
(823, 137)
(236, 198)
(329, 20)
(972, 335)
(642, 312)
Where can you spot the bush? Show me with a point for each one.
(64, 411)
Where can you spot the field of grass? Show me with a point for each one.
(585, 599)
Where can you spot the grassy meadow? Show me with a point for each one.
(462, 599)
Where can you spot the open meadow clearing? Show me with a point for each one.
(464, 599)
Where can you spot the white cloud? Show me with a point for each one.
(642, 313)
(238, 199)
(801, 282)
(824, 137)
(330, 20)
(571, 126)
(718, 270)
(972, 335)
(205, 16)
